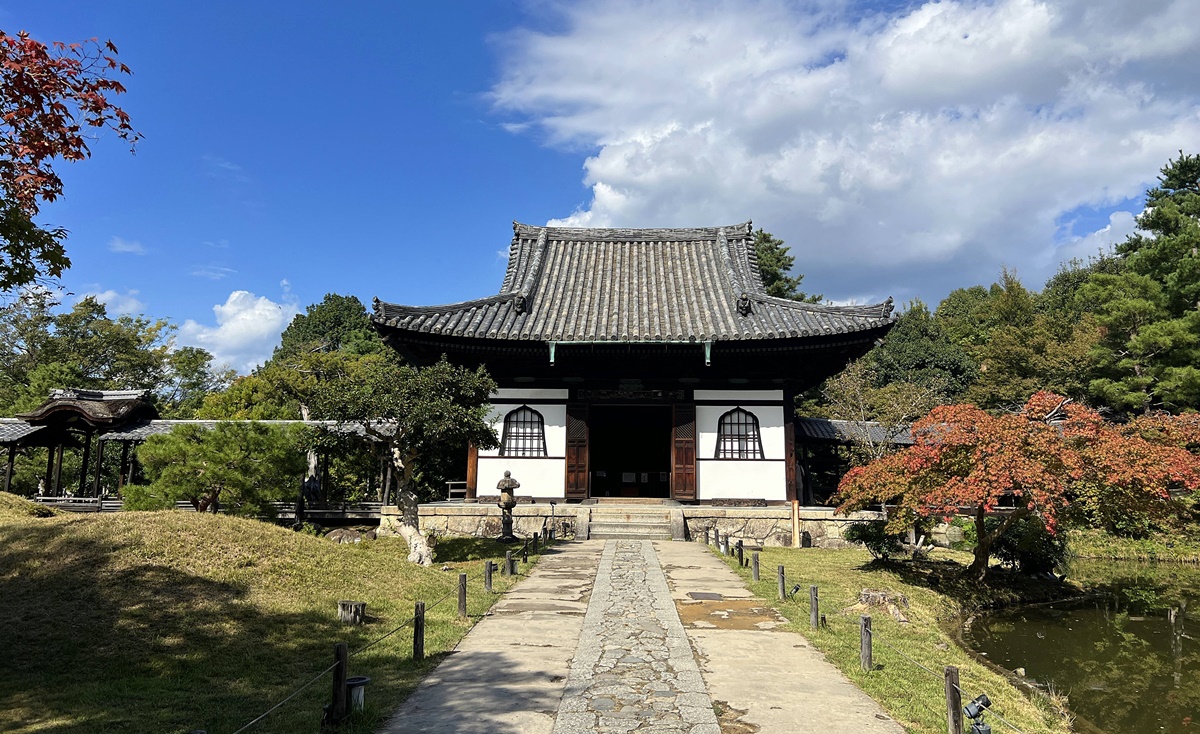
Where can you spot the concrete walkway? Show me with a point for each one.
(625, 636)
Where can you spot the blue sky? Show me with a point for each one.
(382, 149)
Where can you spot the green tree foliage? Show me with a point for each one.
(42, 348)
(336, 324)
(1149, 356)
(775, 264)
(415, 412)
(238, 467)
(918, 350)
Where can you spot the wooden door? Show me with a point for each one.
(577, 452)
(683, 453)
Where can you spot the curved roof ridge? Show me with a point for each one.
(380, 306)
(873, 309)
(641, 234)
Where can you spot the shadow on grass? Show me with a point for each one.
(1000, 588)
(458, 549)
(100, 636)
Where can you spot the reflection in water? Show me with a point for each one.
(1128, 661)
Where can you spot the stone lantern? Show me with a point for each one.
(506, 504)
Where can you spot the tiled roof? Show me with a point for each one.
(144, 429)
(99, 407)
(632, 285)
(823, 429)
(15, 429)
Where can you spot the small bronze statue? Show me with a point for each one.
(506, 504)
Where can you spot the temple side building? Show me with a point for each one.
(639, 363)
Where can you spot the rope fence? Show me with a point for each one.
(954, 693)
(337, 711)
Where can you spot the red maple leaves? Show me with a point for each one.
(48, 95)
(1036, 461)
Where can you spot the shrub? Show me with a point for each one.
(874, 535)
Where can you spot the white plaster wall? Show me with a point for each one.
(745, 478)
(517, 393)
(736, 395)
(538, 477)
(554, 419)
(770, 428)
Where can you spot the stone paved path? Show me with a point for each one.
(633, 669)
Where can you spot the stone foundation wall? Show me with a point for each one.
(763, 526)
(772, 526)
(483, 521)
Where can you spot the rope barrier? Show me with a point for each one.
(364, 648)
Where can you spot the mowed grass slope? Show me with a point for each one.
(171, 621)
(912, 695)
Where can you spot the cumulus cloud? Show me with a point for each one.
(117, 244)
(246, 332)
(905, 153)
(118, 304)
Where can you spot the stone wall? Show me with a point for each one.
(483, 521)
(763, 526)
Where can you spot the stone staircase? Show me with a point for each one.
(630, 519)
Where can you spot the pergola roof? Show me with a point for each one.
(632, 285)
(823, 429)
(97, 408)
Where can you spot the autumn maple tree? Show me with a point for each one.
(1029, 462)
(53, 99)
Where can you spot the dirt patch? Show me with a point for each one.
(728, 614)
(730, 719)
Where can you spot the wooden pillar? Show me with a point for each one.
(99, 467)
(83, 470)
(387, 483)
(12, 456)
(123, 472)
(324, 476)
(472, 494)
(56, 486)
(48, 483)
(789, 443)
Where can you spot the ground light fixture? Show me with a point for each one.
(974, 711)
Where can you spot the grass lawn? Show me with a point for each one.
(171, 621)
(1165, 548)
(912, 696)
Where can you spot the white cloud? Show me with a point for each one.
(1121, 224)
(117, 304)
(246, 332)
(212, 272)
(117, 244)
(906, 154)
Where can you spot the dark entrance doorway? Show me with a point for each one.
(630, 447)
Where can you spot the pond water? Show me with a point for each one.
(1128, 660)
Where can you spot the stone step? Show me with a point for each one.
(631, 516)
(627, 533)
(631, 501)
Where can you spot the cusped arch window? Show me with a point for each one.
(738, 436)
(524, 433)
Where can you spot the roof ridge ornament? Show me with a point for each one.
(743, 305)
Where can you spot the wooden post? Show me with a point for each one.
(123, 473)
(754, 565)
(352, 612)
(99, 468)
(536, 538)
(506, 570)
(864, 643)
(740, 552)
(782, 584)
(57, 492)
(387, 484)
(341, 656)
(48, 485)
(707, 536)
(512, 564)
(717, 538)
(419, 631)
(462, 596)
(954, 708)
(814, 613)
(487, 576)
(472, 493)
(12, 456)
(83, 469)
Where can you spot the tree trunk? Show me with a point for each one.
(311, 473)
(409, 528)
(983, 545)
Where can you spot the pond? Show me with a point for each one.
(1128, 659)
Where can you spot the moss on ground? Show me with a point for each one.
(937, 597)
(173, 621)
(1168, 548)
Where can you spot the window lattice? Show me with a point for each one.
(738, 437)
(524, 433)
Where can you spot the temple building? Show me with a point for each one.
(640, 363)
